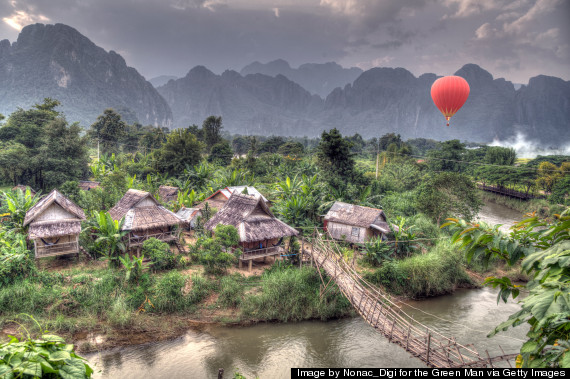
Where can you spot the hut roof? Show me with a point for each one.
(86, 185)
(187, 214)
(55, 228)
(357, 215)
(145, 217)
(218, 202)
(166, 192)
(58, 198)
(252, 218)
(130, 200)
(23, 188)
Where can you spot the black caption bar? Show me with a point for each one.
(341, 373)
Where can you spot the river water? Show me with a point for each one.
(269, 350)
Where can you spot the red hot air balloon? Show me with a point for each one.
(449, 94)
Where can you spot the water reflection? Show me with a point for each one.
(270, 350)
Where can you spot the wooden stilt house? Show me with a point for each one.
(145, 218)
(355, 223)
(261, 234)
(54, 225)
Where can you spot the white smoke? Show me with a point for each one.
(527, 148)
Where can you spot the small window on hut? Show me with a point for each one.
(355, 232)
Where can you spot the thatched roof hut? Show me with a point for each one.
(252, 218)
(23, 188)
(355, 223)
(145, 217)
(54, 225)
(219, 198)
(168, 193)
(87, 185)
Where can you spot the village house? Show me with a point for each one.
(168, 193)
(54, 225)
(217, 200)
(189, 216)
(355, 223)
(145, 218)
(261, 234)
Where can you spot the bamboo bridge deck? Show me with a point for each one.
(433, 348)
(509, 192)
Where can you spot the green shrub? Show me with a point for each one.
(435, 273)
(201, 288)
(231, 291)
(214, 258)
(160, 254)
(168, 293)
(16, 261)
(292, 294)
(120, 314)
(424, 227)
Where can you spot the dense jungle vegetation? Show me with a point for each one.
(419, 183)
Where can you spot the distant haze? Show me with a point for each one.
(527, 148)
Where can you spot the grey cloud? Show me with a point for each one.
(170, 37)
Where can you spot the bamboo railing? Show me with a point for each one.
(375, 307)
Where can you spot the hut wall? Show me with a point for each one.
(148, 202)
(372, 233)
(354, 234)
(254, 245)
(68, 244)
(54, 212)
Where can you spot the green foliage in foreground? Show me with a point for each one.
(544, 249)
(437, 272)
(47, 356)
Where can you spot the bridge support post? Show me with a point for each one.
(428, 343)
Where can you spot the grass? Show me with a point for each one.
(437, 272)
(89, 299)
(291, 294)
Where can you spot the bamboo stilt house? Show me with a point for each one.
(168, 193)
(145, 218)
(261, 234)
(355, 223)
(54, 225)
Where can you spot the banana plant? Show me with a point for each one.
(133, 267)
(18, 203)
(109, 236)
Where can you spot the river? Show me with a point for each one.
(269, 350)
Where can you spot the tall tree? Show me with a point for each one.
(212, 129)
(334, 157)
(448, 194)
(448, 157)
(64, 154)
(181, 149)
(109, 130)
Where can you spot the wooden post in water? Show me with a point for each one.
(428, 343)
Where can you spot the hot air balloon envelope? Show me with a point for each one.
(449, 94)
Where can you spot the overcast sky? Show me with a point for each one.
(514, 39)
